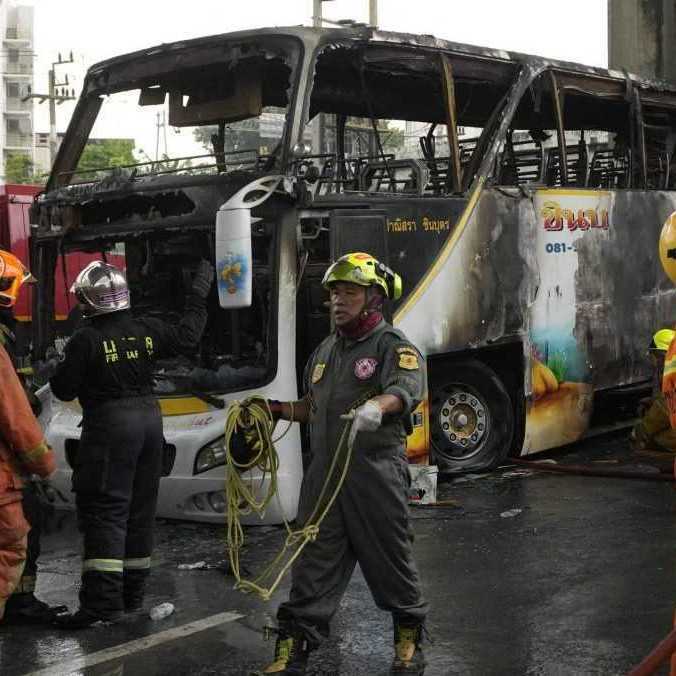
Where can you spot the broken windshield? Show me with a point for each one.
(224, 109)
(235, 351)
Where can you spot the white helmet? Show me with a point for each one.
(101, 288)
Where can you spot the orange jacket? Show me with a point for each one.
(669, 382)
(23, 449)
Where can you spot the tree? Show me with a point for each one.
(104, 153)
(19, 168)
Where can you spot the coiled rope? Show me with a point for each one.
(254, 417)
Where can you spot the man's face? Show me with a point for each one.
(347, 302)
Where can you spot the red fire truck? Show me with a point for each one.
(15, 201)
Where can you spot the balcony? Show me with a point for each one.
(18, 141)
(15, 35)
(19, 68)
(15, 106)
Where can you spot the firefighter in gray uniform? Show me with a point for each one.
(367, 367)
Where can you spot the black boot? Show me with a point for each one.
(80, 619)
(291, 654)
(134, 590)
(25, 608)
(408, 654)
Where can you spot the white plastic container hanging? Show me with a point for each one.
(234, 258)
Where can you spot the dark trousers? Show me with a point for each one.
(368, 524)
(116, 480)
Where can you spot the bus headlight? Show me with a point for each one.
(210, 456)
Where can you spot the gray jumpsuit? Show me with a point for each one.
(368, 523)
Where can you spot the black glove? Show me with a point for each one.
(43, 370)
(203, 279)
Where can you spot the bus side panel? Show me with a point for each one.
(602, 296)
(483, 281)
(623, 295)
(559, 409)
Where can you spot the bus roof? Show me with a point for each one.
(360, 34)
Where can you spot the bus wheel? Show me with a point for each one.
(471, 419)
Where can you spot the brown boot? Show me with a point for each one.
(408, 654)
(291, 654)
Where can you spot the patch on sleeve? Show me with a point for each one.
(365, 368)
(408, 358)
(317, 373)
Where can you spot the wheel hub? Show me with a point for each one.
(462, 418)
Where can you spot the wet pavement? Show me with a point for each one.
(527, 573)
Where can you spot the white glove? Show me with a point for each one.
(367, 418)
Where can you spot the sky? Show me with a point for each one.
(574, 30)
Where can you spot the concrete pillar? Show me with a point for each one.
(641, 37)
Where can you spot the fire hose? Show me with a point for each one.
(253, 419)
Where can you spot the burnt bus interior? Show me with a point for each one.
(156, 219)
(612, 133)
(238, 346)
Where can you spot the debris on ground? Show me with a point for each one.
(466, 478)
(161, 611)
(510, 513)
(198, 565)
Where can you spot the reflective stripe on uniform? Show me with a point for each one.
(26, 585)
(102, 565)
(137, 564)
(35, 453)
(669, 366)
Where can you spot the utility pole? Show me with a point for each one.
(319, 127)
(373, 13)
(318, 131)
(55, 97)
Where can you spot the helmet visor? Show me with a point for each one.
(344, 271)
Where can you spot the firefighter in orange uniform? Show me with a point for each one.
(23, 450)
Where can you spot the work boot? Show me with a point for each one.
(25, 608)
(408, 654)
(134, 590)
(80, 619)
(291, 655)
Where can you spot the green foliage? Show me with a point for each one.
(112, 152)
(19, 168)
(557, 365)
(392, 138)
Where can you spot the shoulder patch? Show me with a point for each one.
(365, 368)
(408, 359)
(317, 373)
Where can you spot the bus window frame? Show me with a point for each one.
(609, 89)
(465, 178)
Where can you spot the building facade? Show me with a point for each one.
(16, 130)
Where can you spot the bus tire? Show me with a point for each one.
(471, 418)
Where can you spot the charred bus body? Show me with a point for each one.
(520, 200)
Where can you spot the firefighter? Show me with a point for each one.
(22, 446)
(23, 607)
(368, 366)
(107, 365)
(653, 430)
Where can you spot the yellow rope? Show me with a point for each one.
(254, 415)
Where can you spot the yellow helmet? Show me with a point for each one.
(668, 247)
(662, 339)
(13, 274)
(365, 270)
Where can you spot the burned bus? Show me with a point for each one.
(520, 199)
